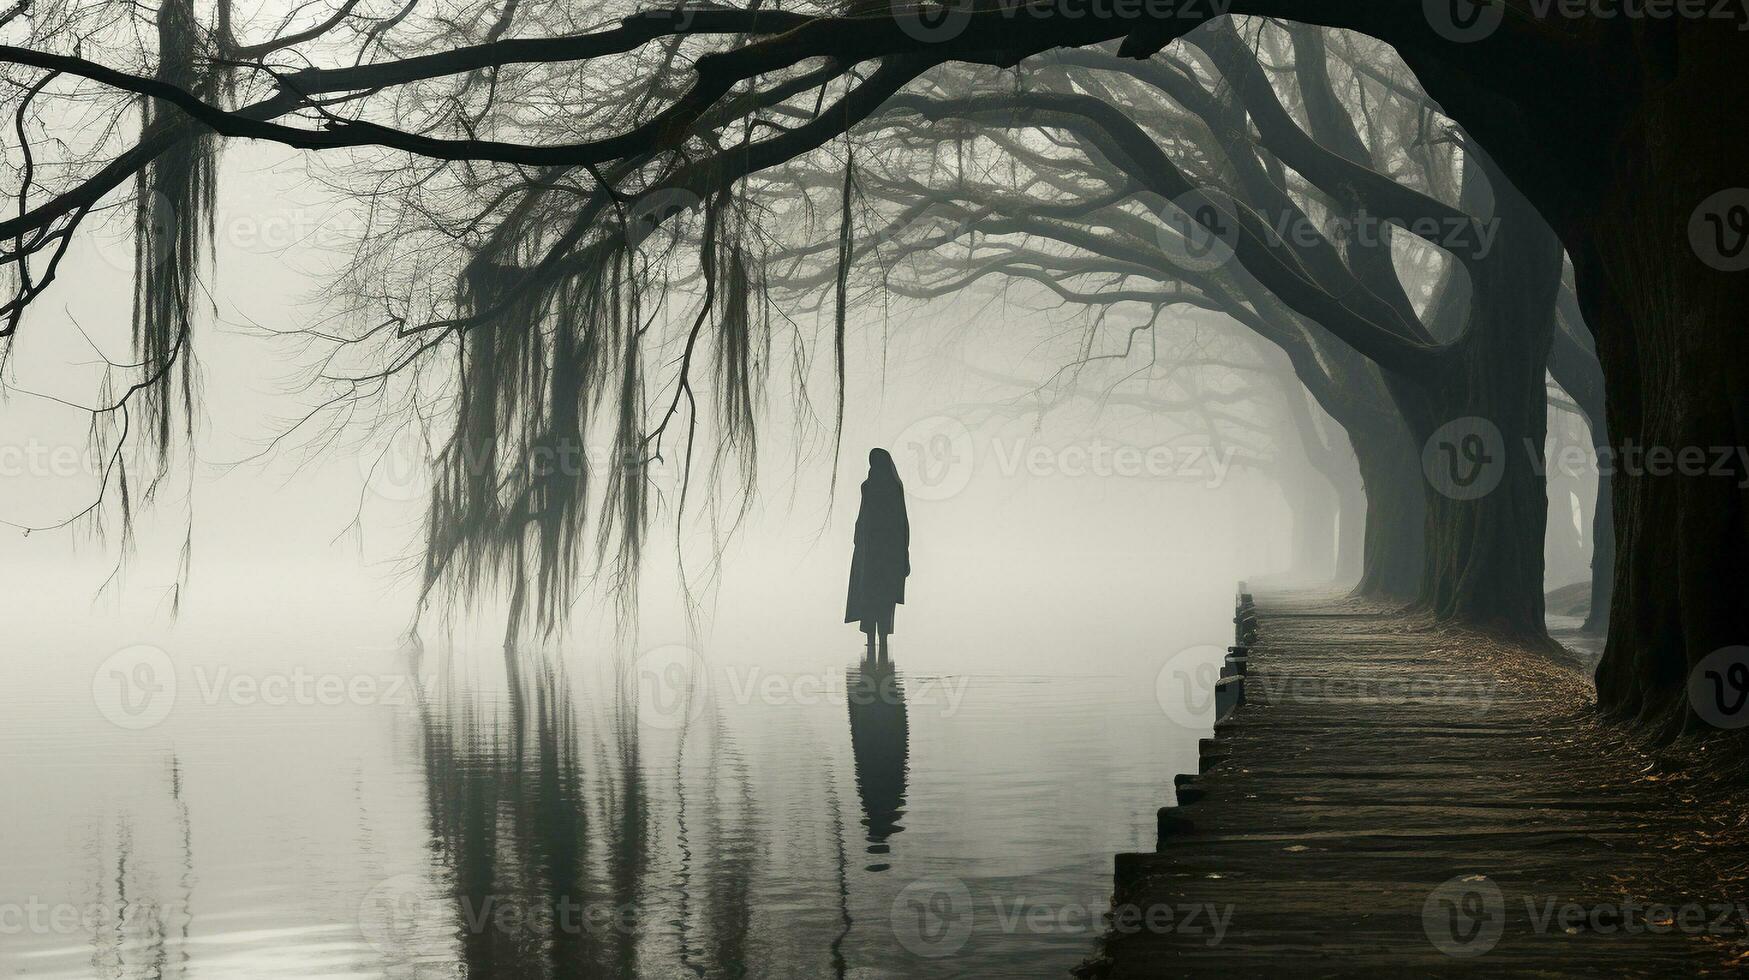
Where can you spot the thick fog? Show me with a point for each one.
(1043, 519)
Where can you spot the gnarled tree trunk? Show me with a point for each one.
(1396, 511)
(1653, 261)
(1486, 497)
(1602, 555)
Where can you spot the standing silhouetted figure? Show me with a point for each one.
(883, 552)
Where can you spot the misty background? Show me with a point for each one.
(1052, 581)
(286, 528)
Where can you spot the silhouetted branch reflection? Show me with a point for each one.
(510, 817)
(545, 818)
(133, 926)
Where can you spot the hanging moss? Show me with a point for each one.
(550, 362)
(173, 233)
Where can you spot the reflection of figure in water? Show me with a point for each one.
(883, 552)
(880, 743)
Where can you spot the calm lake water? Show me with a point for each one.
(268, 809)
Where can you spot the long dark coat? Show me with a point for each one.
(883, 553)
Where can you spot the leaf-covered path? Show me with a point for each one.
(1394, 798)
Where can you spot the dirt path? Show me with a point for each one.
(1396, 799)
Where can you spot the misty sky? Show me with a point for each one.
(274, 540)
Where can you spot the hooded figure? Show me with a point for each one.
(883, 550)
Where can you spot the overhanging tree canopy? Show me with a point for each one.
(1619, 131)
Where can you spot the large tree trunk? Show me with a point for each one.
(1486, 498)
(1396, 514)
(1602, 556)
(1484, 554)
(1669, 326)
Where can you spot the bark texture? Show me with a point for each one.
(1669, 335)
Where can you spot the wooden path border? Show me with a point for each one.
(1382, 797)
